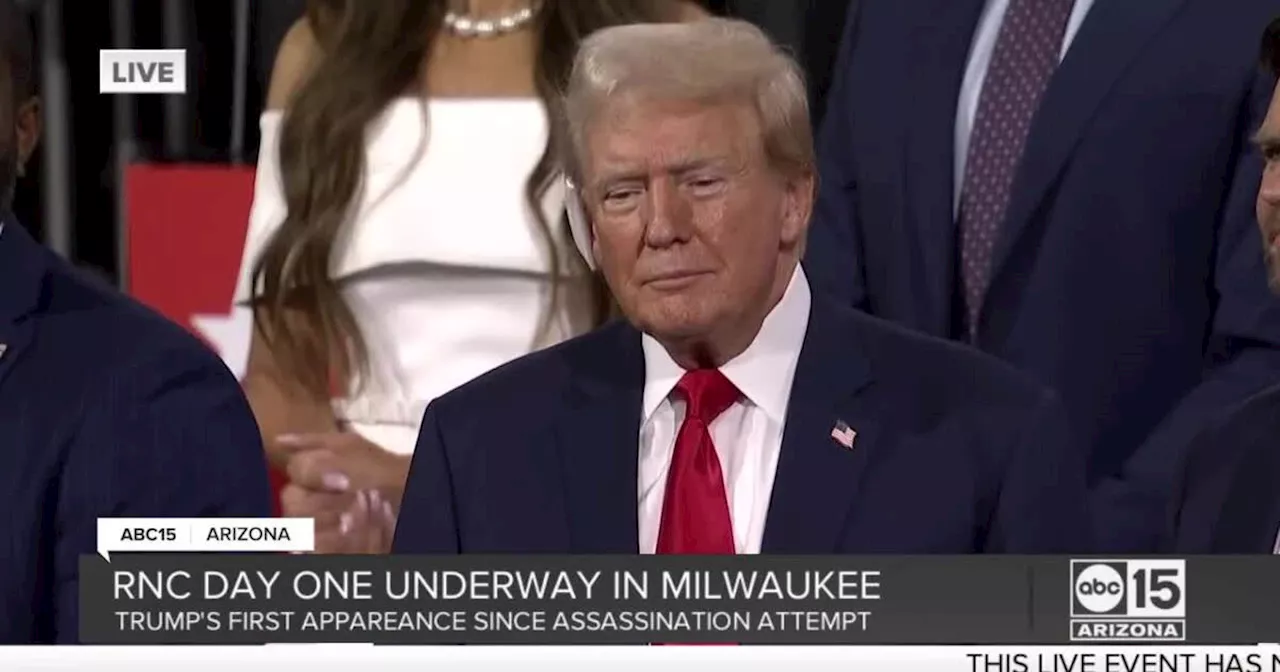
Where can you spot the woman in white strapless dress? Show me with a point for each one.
(406, 233)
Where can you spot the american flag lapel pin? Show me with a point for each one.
(843, 434)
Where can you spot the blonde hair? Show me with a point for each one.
(712, 60)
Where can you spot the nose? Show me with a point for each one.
(666, 215)
(1269, 196)
(1270, 191)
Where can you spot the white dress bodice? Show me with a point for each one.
(441, 260)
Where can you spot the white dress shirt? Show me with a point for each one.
(747, 436)
(975, 74)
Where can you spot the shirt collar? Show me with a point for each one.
(763, 372)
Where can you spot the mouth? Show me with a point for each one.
(674, 280)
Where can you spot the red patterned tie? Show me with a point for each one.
(695, 510)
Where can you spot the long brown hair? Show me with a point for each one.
(372, 52)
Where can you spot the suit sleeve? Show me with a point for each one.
(170, 435)
(1043, 504)
(1242, 358)
(1200, 488)
(427, 522)
(833, 256)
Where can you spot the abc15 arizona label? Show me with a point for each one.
(1128, 600)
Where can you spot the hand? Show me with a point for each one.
(343, 462)
(327, 471)
(367, 528)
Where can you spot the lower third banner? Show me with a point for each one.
(207, 599)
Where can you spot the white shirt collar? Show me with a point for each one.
(763, 372)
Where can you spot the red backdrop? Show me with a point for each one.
(185, 228)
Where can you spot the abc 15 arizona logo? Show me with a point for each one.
(1128, 600)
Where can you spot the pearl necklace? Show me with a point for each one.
(467, 26)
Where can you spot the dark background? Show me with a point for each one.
(80, 172)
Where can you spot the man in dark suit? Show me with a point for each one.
(1068, 185)
(1230, 499)
(106, 410)
(733, 411)
(809, 29)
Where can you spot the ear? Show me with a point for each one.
(797, 207)
(595, 246)
(580, 226)
(28, 129)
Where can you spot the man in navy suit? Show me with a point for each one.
(733, 412)
(1230, 499)
(106, 410)
(1068, 185)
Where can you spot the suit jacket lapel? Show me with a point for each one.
(22, 271)
(940, 47)
(1113, 34)
(817, 479)
(598, 438)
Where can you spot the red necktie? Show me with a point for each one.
(695, 510)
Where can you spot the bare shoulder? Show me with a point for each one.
(688, 10)
(297, 54)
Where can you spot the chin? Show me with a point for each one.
(1273, 266)
(674, 323)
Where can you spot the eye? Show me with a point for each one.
(706, 185)
(620, 198)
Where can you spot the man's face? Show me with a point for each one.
(1269, 192)
(693, 229)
